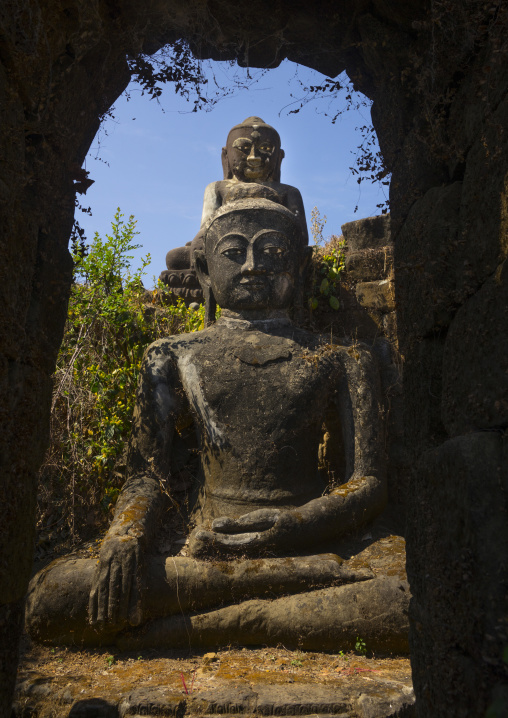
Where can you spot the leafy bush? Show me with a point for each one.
(327, 266)
(111, 320)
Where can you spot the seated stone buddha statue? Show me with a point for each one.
(251, 162)
(267, 403)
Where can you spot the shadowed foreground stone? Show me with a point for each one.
(247, 683)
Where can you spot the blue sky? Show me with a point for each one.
(157, 165)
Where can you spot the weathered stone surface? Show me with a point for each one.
(368, 233)
(57, 603)
(475, 361)
(357, 323)
(377, 610)
(146, 701)
(179, 276)
(455, 236)
(484, 204)
(457, 548)
(430, 270)
(93, 708)
(376, 296)
(248, 683)
(369, 264)
(422, 378)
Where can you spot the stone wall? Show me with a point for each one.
(367, 313)
(451, 279)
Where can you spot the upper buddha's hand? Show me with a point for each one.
(115, 595)
(249, 534)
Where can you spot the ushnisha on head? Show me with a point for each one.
(252, 152)
(253, 260)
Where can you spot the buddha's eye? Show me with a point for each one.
(242, 145)
(233, 252)
(273, 251)
(266, 148)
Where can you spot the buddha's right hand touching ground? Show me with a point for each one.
(115, 596)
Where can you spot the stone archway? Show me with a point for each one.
(436, 75)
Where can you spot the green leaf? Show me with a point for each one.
(324, 286)
(334, 302)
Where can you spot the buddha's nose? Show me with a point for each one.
(252, 264)
(253, 157)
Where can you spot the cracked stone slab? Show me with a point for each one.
(245, 683)
(355, 699)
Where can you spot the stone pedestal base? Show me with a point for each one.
(247, 683)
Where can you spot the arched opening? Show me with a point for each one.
(154, 158)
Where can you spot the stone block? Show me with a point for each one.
(422, 370)
(368, 233)
(358, 324)
(369, 264)
(455, 236)
(457, 543)
(93, 708)
(377, 296)
(390, 328)
(428, 263)
(484, 203)
(475, 362)
(152, 701)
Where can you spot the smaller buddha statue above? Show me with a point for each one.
(251, 162)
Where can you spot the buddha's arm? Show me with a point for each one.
(115, 594)
(346, 508)
(211, 201)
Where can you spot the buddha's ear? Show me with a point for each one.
(226, 169)
(306, 257)
(201, 266)
(276, 170)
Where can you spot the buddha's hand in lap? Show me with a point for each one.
(115, 595)
(248, 534)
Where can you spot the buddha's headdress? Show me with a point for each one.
(263, 207)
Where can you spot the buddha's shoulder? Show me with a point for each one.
(287, 188)
(173, 347)
(342, 348)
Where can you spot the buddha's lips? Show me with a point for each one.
(252, 283)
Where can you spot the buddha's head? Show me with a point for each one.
(252, 152)
(253, 259)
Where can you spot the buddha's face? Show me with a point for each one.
(253, 260)
(253, 153)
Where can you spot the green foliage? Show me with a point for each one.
(360, 646)
(111, 321)
(328, 265)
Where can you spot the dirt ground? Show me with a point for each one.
(50, 679)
